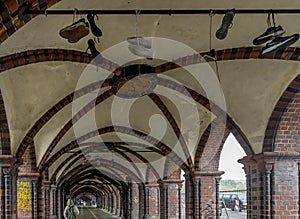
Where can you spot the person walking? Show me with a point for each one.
(71, 210)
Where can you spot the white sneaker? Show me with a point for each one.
(140, 41)
(141, 51)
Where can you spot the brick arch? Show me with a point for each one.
(10, 19)
(208, 152)
(282, 108)
(4, 130)
(86, 174)
(164, 109)
(132, 132)
(87, 190)
(35, 56)
(230, 124)
(74, 144)
(82, 188)
(72, 173)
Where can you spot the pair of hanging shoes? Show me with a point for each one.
(274, 34)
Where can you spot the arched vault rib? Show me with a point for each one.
(79, 180)
(163, 108)
(68, 169)
(53, 111)
(113, 145)
(75, 118)
(20, 59)
(95, 173)
(72, 173)
(217, 111)
(134, 133)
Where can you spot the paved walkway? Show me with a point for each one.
(94, 213)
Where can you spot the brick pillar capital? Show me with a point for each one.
(247, 161)
(167, 182)
(213, 174)
(150, 185)
(7, 160)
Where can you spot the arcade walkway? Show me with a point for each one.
(94, 213)
(135, 123)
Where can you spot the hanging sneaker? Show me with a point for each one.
(95, 53)
(210, 56)
(270, 34)
(141, 51)
(75, 31)
(226, 22)
(96, 31)
(279, 43)
(147, 43)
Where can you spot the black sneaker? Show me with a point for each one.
(95, 30)
(270, 34)
(226, 22)
(280, 43)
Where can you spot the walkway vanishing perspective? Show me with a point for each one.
(128, 112)
(94, 213)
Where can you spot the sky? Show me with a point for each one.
(232, 151)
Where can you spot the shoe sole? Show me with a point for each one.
(73, 30)
(136, 50)
(140, 41)
(226, 22)
(264, 39)
(281, 45)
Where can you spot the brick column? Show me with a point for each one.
(122, 200)
(285, 186)
(47, 199)
(152, 201)
(35, 197)
(272, 185)
(170, 198)
(27, 195)
(142, 201)
(191, 197)
(129, 201)
(7, 192)
(208, 183)
(7, 206)
(248, 162)
(138, 199)
(1, 194)
(53, 201)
